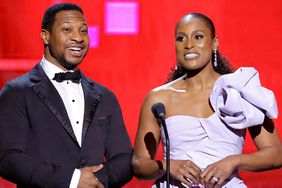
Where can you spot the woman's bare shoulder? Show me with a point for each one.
(163, 93)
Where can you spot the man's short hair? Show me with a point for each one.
(50, 14)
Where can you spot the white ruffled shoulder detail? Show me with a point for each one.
(240, 100)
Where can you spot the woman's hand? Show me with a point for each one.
(215, 174)
(185, 171)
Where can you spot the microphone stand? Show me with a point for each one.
(167, 144)
(158, 110)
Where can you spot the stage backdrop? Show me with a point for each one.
(132, 49)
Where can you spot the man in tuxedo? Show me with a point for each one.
(58, 128)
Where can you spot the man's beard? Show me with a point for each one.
(62, 60)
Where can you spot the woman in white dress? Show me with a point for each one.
(208, 109)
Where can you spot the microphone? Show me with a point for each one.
(158, 110)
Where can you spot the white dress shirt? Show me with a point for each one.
(73, 99)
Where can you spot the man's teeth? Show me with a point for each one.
(74, 48)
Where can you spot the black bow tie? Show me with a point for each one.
(73, 76)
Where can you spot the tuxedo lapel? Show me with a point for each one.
(46, 91)
(92, 97)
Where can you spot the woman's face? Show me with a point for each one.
(194, 43)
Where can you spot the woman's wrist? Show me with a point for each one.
(161, 167)
(236, 160)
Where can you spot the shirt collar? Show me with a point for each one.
(50, 69)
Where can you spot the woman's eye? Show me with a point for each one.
(180, 38)
(197, 37)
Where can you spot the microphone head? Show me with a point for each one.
(158, 110)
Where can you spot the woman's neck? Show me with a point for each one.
(201, 80)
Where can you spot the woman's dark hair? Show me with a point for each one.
(223, 66)
(50, 14)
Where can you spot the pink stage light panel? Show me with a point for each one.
(93, 33)
(122, 18)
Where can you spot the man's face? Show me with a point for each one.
(68, 41)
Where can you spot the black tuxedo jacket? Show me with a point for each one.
(38, 147)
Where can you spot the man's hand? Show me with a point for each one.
(88, 179)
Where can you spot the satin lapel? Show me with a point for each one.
(92, 97)
(51, 98)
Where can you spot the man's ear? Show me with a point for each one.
(215, 43)
(45, 36)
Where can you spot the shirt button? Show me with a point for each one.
(67, 82)
(77, 122)
(73, 100)
(83, 163)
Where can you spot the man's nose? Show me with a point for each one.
(77, 36)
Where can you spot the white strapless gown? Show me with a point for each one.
(239, 102)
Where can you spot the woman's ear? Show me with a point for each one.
(215, 43)
(45, 36)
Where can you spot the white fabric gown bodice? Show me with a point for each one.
(239, 101)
